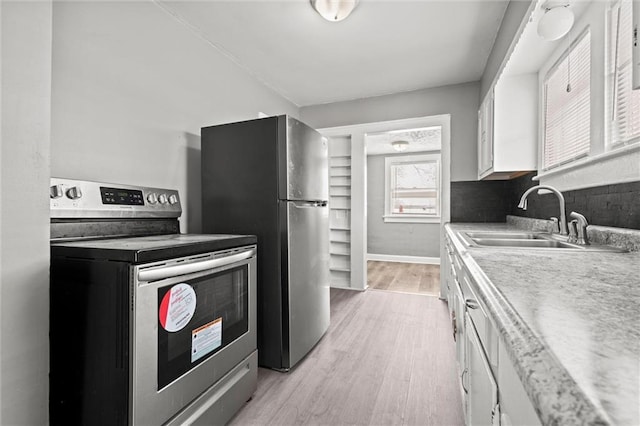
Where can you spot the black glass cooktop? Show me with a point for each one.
(150, 248)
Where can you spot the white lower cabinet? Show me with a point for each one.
(515, 406)
(492, 393)
(482, 392)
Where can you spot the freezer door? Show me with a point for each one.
(305, 158)
(308, 276)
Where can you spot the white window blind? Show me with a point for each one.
(567, 112)
(412, 188)
(624, 104)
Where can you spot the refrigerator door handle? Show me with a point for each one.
(308, 204)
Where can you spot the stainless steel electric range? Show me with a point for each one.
(148, 326)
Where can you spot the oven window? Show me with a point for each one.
(199, 317)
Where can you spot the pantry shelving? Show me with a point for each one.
(340, 212)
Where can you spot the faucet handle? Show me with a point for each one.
(580, 218)
(573, 232)
(555, 225)
(581, 225)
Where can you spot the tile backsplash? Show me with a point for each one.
(490, 201)
(480, 201)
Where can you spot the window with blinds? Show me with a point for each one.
(567, 107)
(412, 187)
(623, 109)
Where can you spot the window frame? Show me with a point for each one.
(389, 161)
(545, 167)
(611, 143)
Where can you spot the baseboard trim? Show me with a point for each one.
(347, 288)
(403, 259)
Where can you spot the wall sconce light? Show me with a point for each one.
(400, 146)
(556, 21)
(334, 10)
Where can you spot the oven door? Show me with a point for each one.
(194, 320)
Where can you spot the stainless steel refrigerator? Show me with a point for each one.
(269, 177)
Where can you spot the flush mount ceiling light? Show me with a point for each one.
(556, 21)
(334, 10)
(400, 146)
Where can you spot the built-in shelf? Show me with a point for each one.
(340, 212)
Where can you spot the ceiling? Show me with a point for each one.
(385, 46)
(419, 140)
(531, 51)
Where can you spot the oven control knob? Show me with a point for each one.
(162, 198)
(74, 193)
(152, 198)
(173, 199)
(56, 191)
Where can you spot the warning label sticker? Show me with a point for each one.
(206, 339)
(177, 307)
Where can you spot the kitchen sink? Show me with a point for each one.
(504, 235)
(533, 243)
(527, 240)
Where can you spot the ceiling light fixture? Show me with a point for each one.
(556, 21)
(334, 10)
(400, 146)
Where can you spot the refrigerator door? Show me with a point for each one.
(306, 161)
(308, 277)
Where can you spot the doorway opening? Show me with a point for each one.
(404, 205)
(398, 201)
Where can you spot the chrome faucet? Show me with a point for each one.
(564, 230)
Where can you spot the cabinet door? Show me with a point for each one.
(515, 406)
(482, 396)
(485, 135)
(458, 316)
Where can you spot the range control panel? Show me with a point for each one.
(71, 198)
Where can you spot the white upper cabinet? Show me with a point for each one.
(508, 128)
(485, 135)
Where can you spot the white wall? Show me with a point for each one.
(131, 89)
(25, 34)
(460, 100)
(602, 166)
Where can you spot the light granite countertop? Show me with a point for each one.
(570, 322)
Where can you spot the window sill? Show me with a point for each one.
(410, 219)
(612, 167)
(586, 161)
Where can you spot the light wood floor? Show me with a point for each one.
(387, 359)
(404, 277)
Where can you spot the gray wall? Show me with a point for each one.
(132, 87)
(460, 100)
(511, 21)
(104, 91)
(25, 32)
(399, 239)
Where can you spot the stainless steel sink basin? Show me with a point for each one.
(504, 235)
(527, 240)
(534, 243)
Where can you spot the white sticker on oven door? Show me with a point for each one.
(177, 307)
(206, 339)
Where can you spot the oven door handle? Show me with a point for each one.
(190, 268)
